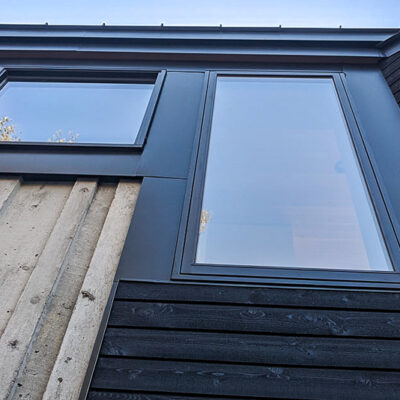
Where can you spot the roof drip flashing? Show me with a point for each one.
(193, 42)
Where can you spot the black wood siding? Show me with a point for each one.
(391, 71)
(180, 341)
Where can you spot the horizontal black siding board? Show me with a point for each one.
(102, 395)
(393, 66)
(393, 77)
(391, 71)
(252, 349)
(198, 341)
(255, 319)
(111, 395)
(259, 296)
(396, 86)
(384, 64)
(243, 380)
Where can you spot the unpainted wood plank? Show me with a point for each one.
(29, 310)
(66, 378)
(8, 187)
(245, 380)
(34, 377)
(290, 297)
(254, 349)
(291, 321)
(24, 230)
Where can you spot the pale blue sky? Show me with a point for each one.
(288, 13)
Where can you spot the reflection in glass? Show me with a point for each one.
(72, 112)
(283, 186)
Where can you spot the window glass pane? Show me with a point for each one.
(283, 186)
(73, 112)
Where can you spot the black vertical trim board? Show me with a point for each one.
(170, 140)
(151, 240)
(183, 341)
(149, 114)
(378, 116)
(391, 71)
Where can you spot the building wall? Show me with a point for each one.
(181, 341)
(60, 246)
(391, 71)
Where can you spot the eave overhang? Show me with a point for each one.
(195, 43)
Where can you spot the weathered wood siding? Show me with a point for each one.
(180, 341)
(54, 237)
(391, 71)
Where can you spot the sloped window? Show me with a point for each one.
(283, 185)
(65, 110)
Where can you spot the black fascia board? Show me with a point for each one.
(391, 45)
(199, 43)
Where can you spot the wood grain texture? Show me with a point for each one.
(25, 227)
(8, 187)
(248, 319)
(205, 341)
(66, 377)
(19, 332)
(39, 362)
(253, 349)
(260, 296)
(102, 395)
(243, 380)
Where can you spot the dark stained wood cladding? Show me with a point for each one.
(179, 341)
(391, 71)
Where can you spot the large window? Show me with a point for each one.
(76, 109)
(281, 185)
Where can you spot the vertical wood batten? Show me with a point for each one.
(20, 329)
(8, 187)
(66, 378)
(33, 379)
(25, 227)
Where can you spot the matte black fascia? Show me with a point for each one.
(391, 45)
(187, 32)
(188, 42)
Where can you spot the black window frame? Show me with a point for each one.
(185, 267)
(88, 75)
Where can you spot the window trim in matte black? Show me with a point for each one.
(80, 75)
(185, 267)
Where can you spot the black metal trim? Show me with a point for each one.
(148, 116)
(100, 75)
(185, 267)
(162, 41)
